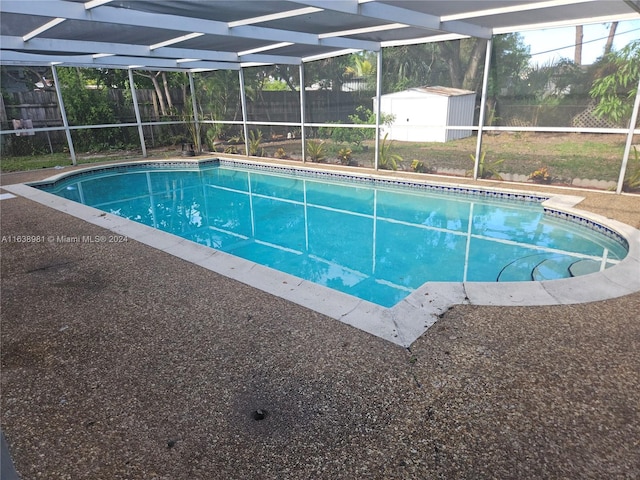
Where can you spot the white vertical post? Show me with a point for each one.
(467, 248)
(63, 113)
(303, 115)
(136, 109)
(196, 120)
(627, 146)
(152, 201)
(378, 106)
(483, 104)
(375, 230)
(251, 213)
(243, 102)
(306, 216)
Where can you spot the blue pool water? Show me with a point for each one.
(378, 243)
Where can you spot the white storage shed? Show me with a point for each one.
(422, 114)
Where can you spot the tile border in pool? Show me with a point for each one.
(411, 317)
(379, 180)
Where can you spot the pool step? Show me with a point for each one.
(553, 268)
(520, 269)
(584, 267)
(545, 266)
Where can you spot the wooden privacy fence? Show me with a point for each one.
(40, 107)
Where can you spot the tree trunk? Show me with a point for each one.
(577, 57)
(156, 86)
(450, 51)
(154, 99)
(612, 33)
(470, 76)
(166, 91)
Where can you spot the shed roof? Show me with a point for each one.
(193, 35)
(428, 91)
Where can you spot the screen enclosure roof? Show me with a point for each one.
(200, 35)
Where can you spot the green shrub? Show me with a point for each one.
(280, 153)
(386, 159)
(486, 169)
(541, 175)
(632, 178)
(315, 151)
(418, 166)
(255, 139)
(344, 155)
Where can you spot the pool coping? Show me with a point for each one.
(403, 323)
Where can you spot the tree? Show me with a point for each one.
(463, 59)
(218, 98)
(108, 77)
(616, 86)
(454, 63)
(509, 61)
(612, 33)
(87, 106)
(410, 66)
(362, 70)
(363, 65)
(577, 57)
(163, 95)
(329, 73)
(28, 77)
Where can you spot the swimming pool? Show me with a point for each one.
(409, 318)
(377, 242)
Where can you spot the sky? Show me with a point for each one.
(546, 45)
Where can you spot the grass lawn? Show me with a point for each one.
(35, 162)
(567, 156)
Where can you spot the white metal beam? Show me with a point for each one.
(517, 8)
(10, 57)
(376, 156)
(445, 37)
(483, 103)
(77, 46)
(271, 59)
(264, 48)
(43, 28)
(173, 41)
(303, 114)
(627, 147)
(63, 114)
(136, 109)
(95, 3)
(392, 14)
(275, 16)
(358, 31)
(120, 16)
(466, 28)
(196, 118)
(564, 23)
(243, 103)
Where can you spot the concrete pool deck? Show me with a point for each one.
(121, 360)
